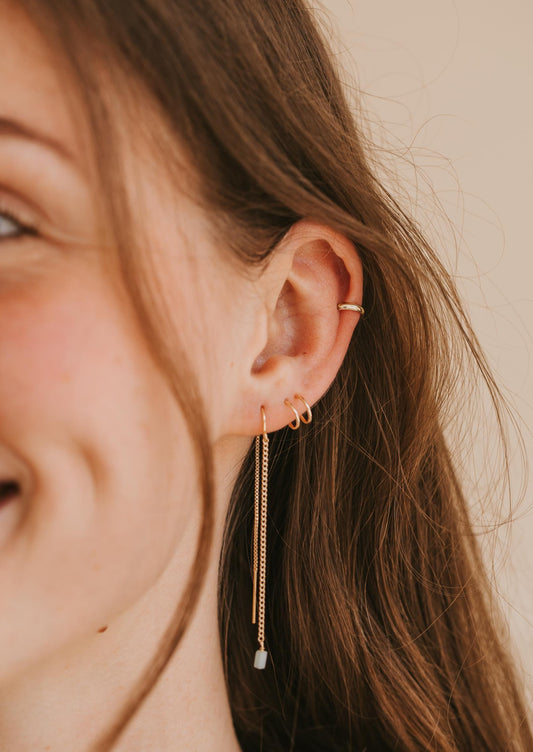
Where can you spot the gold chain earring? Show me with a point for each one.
(260, 528)
(259, 543)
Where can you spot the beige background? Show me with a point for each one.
(453, 82)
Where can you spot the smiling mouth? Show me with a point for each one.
(8, 490)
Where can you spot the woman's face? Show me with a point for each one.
(88, 426)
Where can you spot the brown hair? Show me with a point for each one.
(381, 622)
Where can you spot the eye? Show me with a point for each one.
(12, 228)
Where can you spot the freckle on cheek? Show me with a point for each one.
(102, 629)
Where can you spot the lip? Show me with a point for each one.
(16, 478)
(9, 489)
(16, 488)
(12, 511)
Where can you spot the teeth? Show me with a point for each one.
(8, 489)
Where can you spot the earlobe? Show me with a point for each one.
(308, 335)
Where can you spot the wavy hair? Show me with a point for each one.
(379, 611)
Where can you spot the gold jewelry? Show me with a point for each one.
(351, 307)
(260, 515)
(260, 528)
(295, 411)
(308, 409)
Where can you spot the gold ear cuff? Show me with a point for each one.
(351, 307)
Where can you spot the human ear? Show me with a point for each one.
(307, 337)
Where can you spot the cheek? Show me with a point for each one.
(83, 407)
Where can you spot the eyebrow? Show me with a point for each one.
(10, 127)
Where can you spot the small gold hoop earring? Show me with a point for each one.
(308, 409)
(295, 411)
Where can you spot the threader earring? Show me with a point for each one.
(259, 543)
(260, 512)
(260, 527)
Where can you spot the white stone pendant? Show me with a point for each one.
(260, 658)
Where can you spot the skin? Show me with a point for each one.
(104, 530)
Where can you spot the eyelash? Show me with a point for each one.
(25, 229)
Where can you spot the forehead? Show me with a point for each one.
(33, 93)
